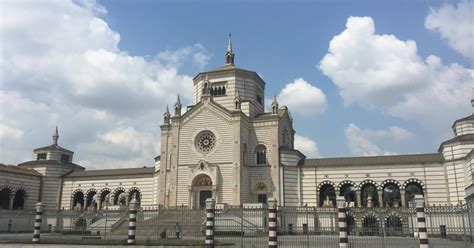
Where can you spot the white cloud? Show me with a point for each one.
(61, 65)
(363, 142)
(303, 98)
(382, 72)
(306, 146)
(455, 24)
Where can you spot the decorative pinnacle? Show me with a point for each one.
(274, 99)
(56, 136)
(229, 44)
(229, 55)
(167, 109)
(178, 101)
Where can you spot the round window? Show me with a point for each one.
(205, 141)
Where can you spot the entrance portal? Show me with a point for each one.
(201, 190)
(203, 195)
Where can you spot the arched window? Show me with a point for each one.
(391, 195)
(349, 192)
(370, 225)
(261, 154)
(412, 189)
(78, 201)
(19, 200)
(244, 154)
(327, 196)
(369, 190)
(5, 198)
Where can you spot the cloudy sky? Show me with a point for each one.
(365, 78)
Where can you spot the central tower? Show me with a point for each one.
(224, 146)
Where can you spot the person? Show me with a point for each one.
(163, 234)
(178, 230)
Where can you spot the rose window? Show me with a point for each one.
(205, 141)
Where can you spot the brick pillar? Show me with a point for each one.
(210, 211)
(421, 220)
(341, 213)
(272, 223)
(132, 209)
(38, 218)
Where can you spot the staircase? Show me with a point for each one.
(152, 223)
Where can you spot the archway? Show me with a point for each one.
(348, 190)
(411, 189)
(19, 201)
(369, 190)
(134, 193)
(391, 195)
(371, 225)
(91, 200)
(119, 197)
(78, 200)
(5, 197)
(201, 190)
(327, 196)
(393, 226)
(261, 192)
(105, 197)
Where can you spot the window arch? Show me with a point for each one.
(261, 154)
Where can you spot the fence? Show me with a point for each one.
(248, 226)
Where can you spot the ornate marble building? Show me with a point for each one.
(227, 147)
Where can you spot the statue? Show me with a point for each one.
(121, 201)
(327, 202)
(369, 202)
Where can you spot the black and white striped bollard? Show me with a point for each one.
(210, 214)
(132, 222)
(272, 223)
(38, 218)
(421, 220)
(342, 216)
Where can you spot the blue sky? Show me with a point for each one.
(361, 108)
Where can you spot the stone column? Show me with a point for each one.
(380, 196)
(342, 215)
(272, 223)
(358, 198)
(421, 221)
(38, 219)
(132, 221)
(99, 202)
(402, 198)
(11, 198)
(210, 210)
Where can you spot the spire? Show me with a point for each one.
(274, 105)
(55, 136)
(166, 115)
(237, 100)
(177, 107)
(229, 55)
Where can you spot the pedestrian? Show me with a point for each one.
(178, 230)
